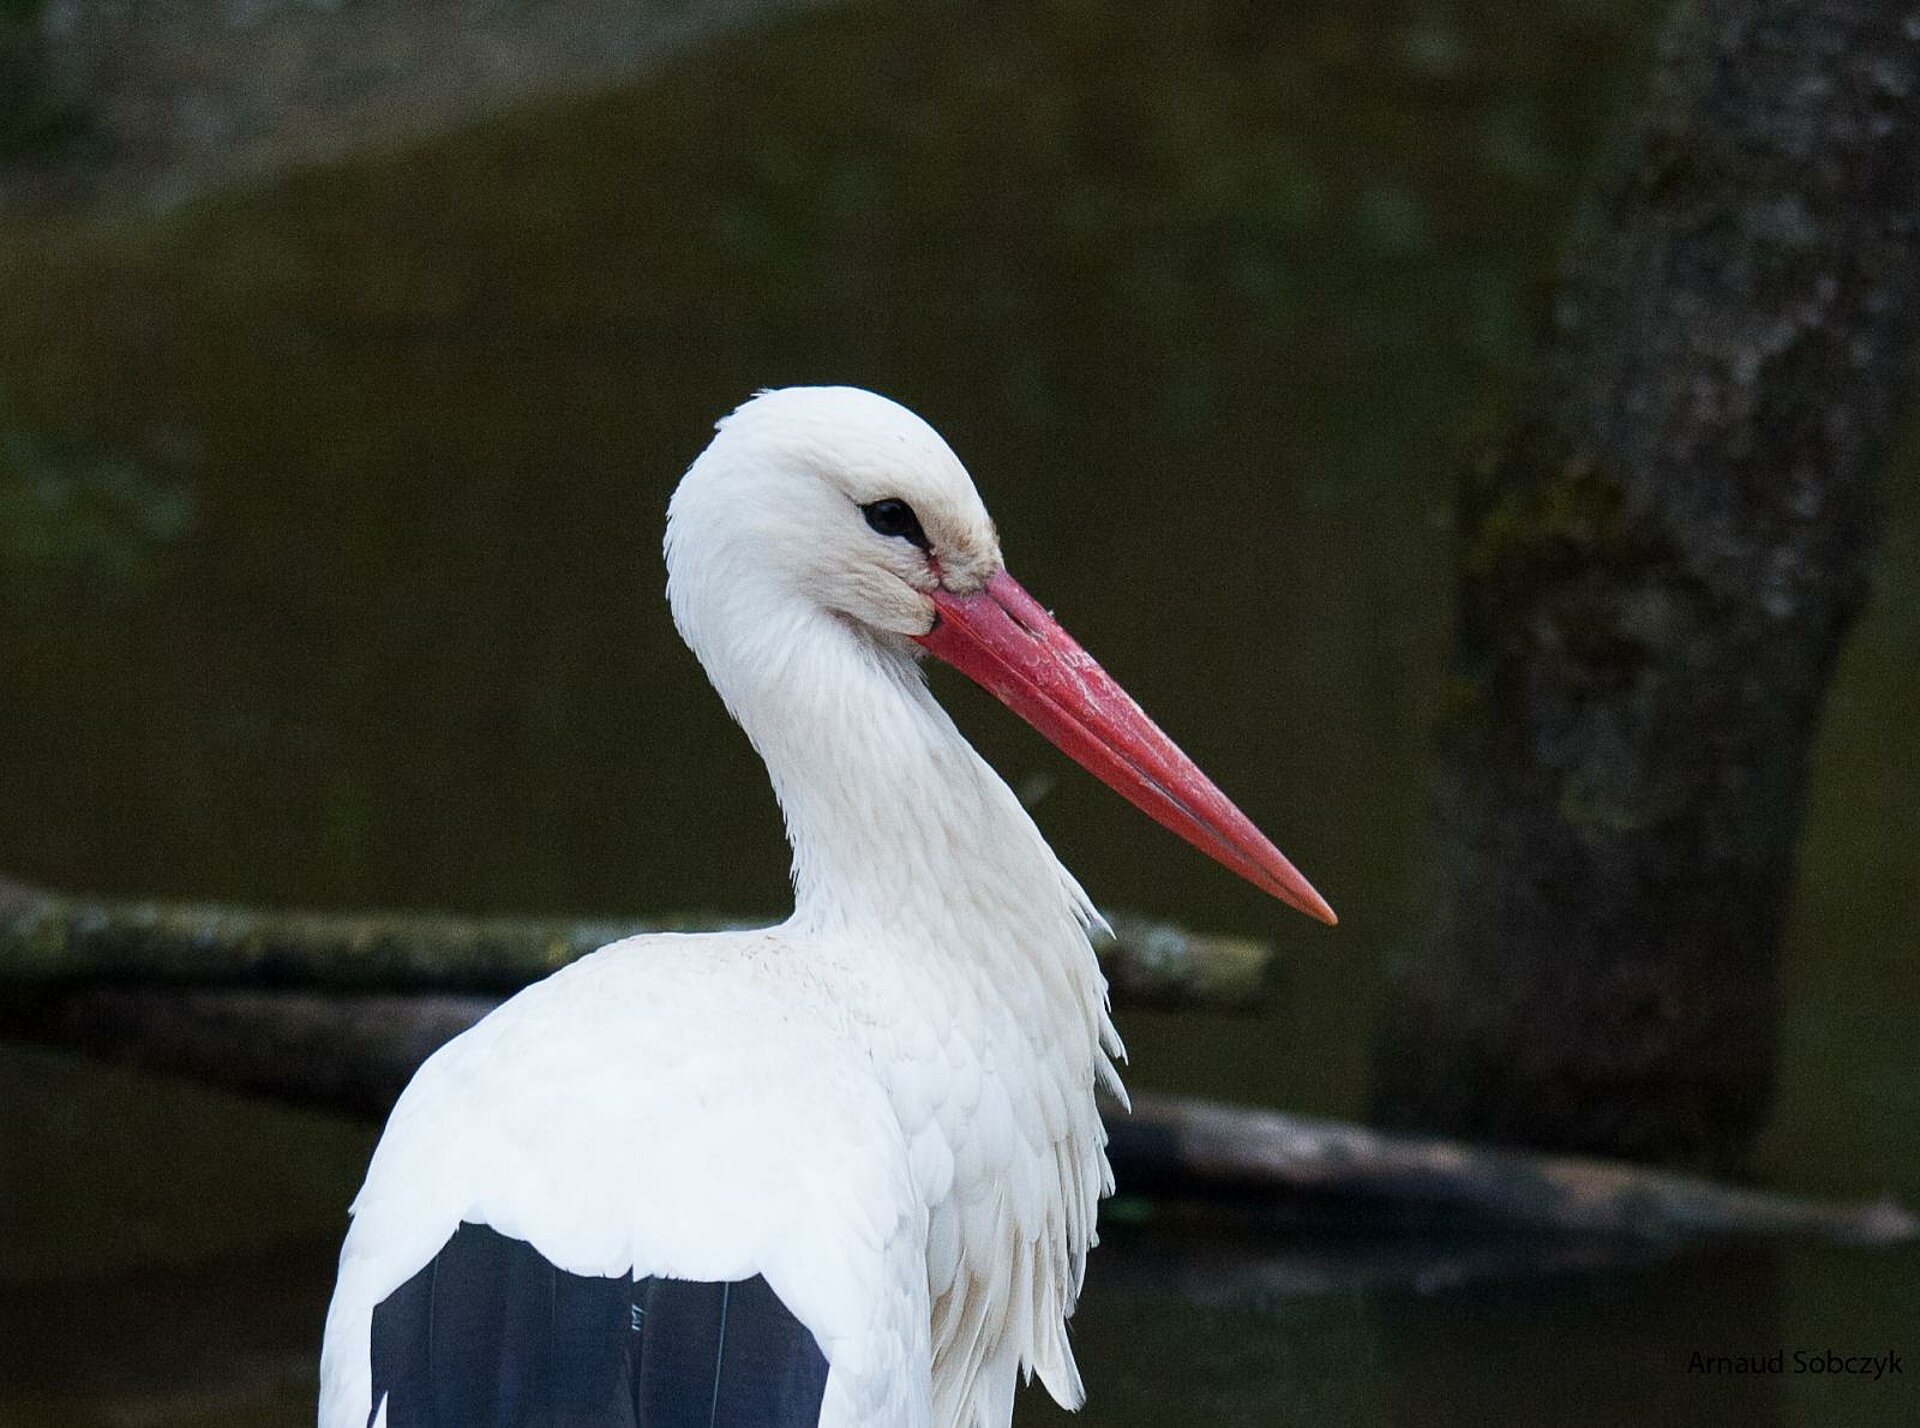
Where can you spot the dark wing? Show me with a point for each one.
(490, 1335)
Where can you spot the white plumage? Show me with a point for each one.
(884, 1105)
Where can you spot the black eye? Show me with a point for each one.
(893, 517)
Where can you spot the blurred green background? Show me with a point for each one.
(329, 527)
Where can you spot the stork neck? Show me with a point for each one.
(893, 818)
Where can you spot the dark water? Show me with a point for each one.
(329, 522)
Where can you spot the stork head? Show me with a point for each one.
(835, 500)
(842, 498)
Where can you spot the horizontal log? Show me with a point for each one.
(1177, 1143)
(355, 1051)
(351, 1051)
(53, 938)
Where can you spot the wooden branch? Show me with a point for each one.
(356, 1051)
(49, 938)
(1170, 1142)
(349, 1051)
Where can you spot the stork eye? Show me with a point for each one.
(894, 517)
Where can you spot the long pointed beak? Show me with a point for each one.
(1004, 641)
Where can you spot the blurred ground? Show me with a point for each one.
(146, 105)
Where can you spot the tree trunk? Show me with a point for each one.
(1656, 572)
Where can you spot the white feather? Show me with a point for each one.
(886, 1104)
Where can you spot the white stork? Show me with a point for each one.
(839, 1171)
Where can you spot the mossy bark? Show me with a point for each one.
(1656, 572)
(54, 940)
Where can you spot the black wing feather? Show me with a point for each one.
(490, 1335)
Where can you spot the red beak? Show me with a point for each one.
(1004, 641)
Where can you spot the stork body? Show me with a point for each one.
(883, 1108)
